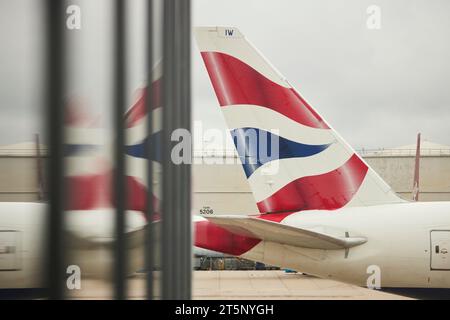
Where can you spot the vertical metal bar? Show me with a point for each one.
(176, 124)
(176, 184)
(39, 174)
(149, 239)
(186, 176)
(168, 256)
(55, 136)
(119, 151)
(182, 45)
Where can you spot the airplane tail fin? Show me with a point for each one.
(291, 156)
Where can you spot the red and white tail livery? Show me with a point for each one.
(323, 210)
(317, 169)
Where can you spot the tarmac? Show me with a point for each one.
(251, 285)
(276, 285)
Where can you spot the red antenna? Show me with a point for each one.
(415, 191)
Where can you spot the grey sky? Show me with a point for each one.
(378, 88)
(20, 65)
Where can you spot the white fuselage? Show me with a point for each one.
(90, 235)
(398, 243)
(89, 239)
(21, 229)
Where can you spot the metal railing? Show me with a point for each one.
(403, 152)
(175, 217)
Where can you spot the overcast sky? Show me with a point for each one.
(377, 88)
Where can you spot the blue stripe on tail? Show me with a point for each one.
(257, 147)
(138, 150)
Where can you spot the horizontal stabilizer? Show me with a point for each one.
(284, 234)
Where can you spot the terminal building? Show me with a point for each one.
(223, 188)
(21, 172)
(219, 183)
(220, 186)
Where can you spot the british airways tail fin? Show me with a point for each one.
(310, 166)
